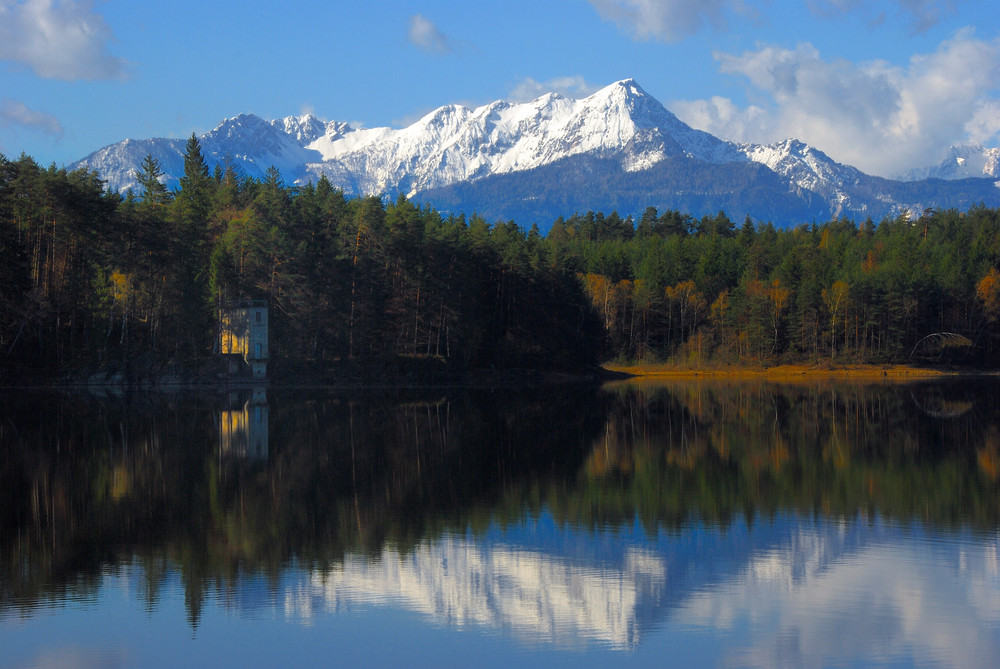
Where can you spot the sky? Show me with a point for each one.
(884, 85)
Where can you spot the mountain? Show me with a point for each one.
(962, 162)
(584, 183)
(246, 141)
(618, 149)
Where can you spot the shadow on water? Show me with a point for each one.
(249, 483)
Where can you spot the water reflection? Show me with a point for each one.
(459, 581)
(794, 592)
(243, 424)
(942, 401)
(913, 600)
(777, 521)
(718, 449)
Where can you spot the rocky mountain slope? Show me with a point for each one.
(616, 149)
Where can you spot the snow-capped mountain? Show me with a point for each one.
(962, 162)
(245, 141)
(455, 143)
(569, 149)
(449, 145)
(810, 169)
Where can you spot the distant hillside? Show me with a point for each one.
(584, 183)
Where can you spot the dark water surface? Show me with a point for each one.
(674, 524)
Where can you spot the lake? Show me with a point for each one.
(679, 523)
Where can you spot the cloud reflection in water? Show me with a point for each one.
(883, 603)
(815, 596)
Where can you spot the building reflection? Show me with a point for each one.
(243, 425)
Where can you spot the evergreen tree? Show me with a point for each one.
(196, 186)
(149, 178)
(190, 329)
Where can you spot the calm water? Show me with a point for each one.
(681, 524)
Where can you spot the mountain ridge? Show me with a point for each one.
(623, 131)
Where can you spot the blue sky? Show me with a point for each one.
(884, 85)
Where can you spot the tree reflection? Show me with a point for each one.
(199, 486)
(89, 483)
(674, 451)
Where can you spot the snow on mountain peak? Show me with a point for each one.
(455, 143)
(628, 86)
(304, 129)
(620, 123)
(961, 162)
(806, 167)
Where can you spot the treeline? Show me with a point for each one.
(98, 279)
(92, 279)
(672, 287)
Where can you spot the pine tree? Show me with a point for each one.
(190, 255)
(148, 176)
(196, 185)
(195, 168)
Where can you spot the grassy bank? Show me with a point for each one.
(790, 372)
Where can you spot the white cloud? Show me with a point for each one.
(675, 20)
(571, 87)
(665, 20)
(425, 35)
(881, 118)
(925, 13)
(984, 126)
(13, 112)
(58, 39)
(920, 14)
(721, 117)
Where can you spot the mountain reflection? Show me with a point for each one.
(528, 593)
(792, 591)
(561, 517)
(817, 580)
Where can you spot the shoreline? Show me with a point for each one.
(196, 381)
(860, 372)
(605, 373)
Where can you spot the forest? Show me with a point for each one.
(97, 280)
